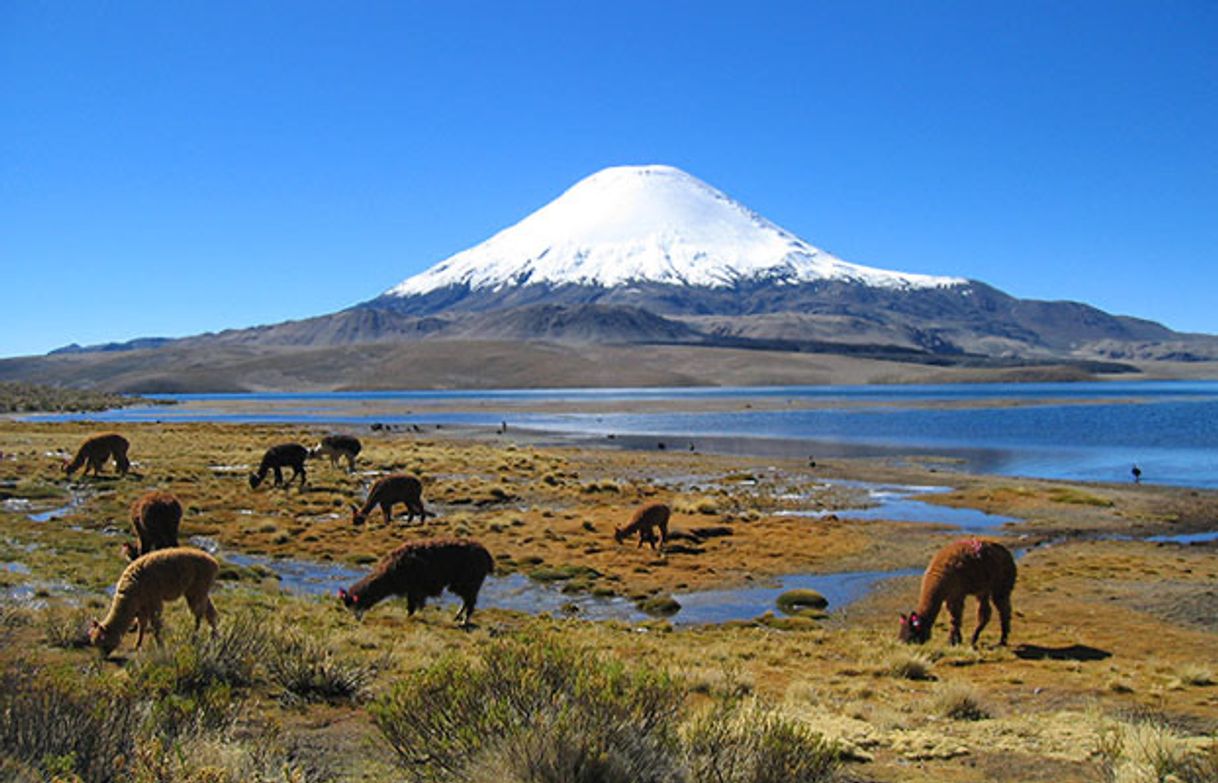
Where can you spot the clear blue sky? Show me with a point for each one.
(173, 168)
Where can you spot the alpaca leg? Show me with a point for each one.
(140, 624)
(350, 463)
(469, 597)
(156, 626)
(1003, 602)
(387, 512)
(278, 476)
(955, 609)
(983, 616)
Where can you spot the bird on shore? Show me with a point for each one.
(1137, 474)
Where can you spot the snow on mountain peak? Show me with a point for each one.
(646, 223)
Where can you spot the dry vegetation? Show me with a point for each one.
(1110, 675)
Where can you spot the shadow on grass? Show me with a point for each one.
(1075, 652)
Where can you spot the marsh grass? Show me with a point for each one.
(308, 669)
(65, 724)
(1147, 749)
(737, 741)
(66, 627)
(960, 701)
(1196, 675)
(908, 664)
(536, 710)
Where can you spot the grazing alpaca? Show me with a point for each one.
(969, 567)
(144, 587)
(394, 488)
(155, 518)
(335, 446)
(421, 570)
(285, 455)
(651, 516)
(96, 450)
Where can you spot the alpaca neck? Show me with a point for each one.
(929, 605)
(122, 612)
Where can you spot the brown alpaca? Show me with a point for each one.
(421, 570)
(643, 522)
(285, 455)
(394, 488)
(335, 446)
(145, 586)
(969, 567)
(96, 449)
(155, 518)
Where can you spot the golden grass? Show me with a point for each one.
(845, 676)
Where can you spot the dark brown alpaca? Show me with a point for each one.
(421, 570)
(155, 518)
(285, 455)
(969, 567)
(335, 446)
(94, 452)
(644, 521)
(394, 488)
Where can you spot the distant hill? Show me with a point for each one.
(650, 259)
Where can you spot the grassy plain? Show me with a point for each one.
(1111, 661)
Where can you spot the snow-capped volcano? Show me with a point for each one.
(653, 224)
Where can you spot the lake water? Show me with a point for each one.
(1080, 431)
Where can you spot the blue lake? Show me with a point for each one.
(1079, 431)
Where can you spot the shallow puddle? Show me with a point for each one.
(721, 606)
(515, 592)
(1186, 538)
(897, 503)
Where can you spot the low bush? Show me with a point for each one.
(740, 742)
(1146, 748)
(909, 665)
(541, 711)
(82, 726)
(960, 701)
(538, 711)
(310, 670)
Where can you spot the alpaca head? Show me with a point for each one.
(619, 534)
(129, 551)
(100, 639)
(255, 480)
(357, 518)
(351, 601)
(914, 629)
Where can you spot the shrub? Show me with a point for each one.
(83, 727)
(739, 742)
(909, 665)
(1148, 749)
(960, 701)
(66, 628)
(1195, 674)
(191, 663)
(310, 670)
(537, 711)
